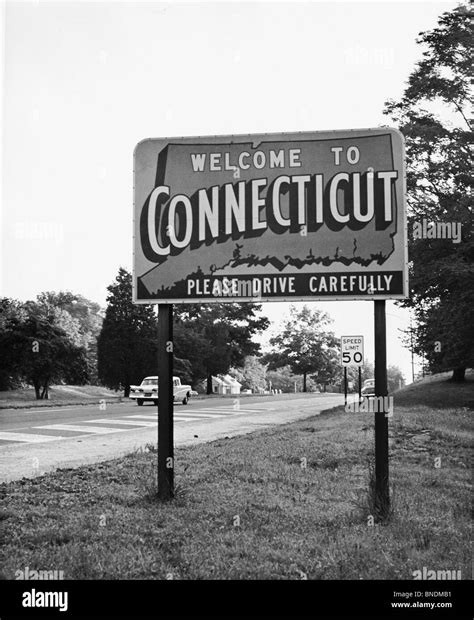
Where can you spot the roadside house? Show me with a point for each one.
(225, 384)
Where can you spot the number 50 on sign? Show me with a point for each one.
(352, 350)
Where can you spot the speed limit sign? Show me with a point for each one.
(352, 350)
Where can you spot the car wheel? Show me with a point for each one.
(155, 402)
(139, 402)
(185, 400)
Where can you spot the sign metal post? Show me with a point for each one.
(345, 386)
(165, 402)
(382, 496)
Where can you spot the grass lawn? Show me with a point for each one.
(438, 391)
(61, 395)
(103, 521)
(58, 395)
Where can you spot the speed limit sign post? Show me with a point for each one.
(352, 354)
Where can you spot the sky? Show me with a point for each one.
(84, 82)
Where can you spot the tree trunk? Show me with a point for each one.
(209, 384)
(45, 392)
(126, 391)
(459, 375)
(37, 389)
(304, 382)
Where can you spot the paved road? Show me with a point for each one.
(33, 442)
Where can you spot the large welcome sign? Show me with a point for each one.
(271, 217)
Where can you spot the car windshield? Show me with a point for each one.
(149, 381)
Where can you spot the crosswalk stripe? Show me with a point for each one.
(26, 437)
(186, 419)
(81, 429)
(144, 417)
(183, 417)
(126, 422)
(232, 410)
(221, 411)
(197, 416)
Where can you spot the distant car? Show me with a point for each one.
(148, 391)
(368, 389)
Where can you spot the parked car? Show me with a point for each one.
(368, 388)
(148, 391)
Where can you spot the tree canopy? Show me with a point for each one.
(215, 337)
(305, 345)
(252, 375)
(127, 343)
(40, 344)
(433, 115)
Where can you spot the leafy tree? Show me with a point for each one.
(439, 184)
(215, 337)
(304, 345)
(190, 347)
(395, 378)
(88, 315)
(10, 310)
(252, 375)
(330, 369)
(286, 381)
(367, 372)
(394, 375)
(56, 316)
(40, 351)
(282, 379)
(127, 343)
